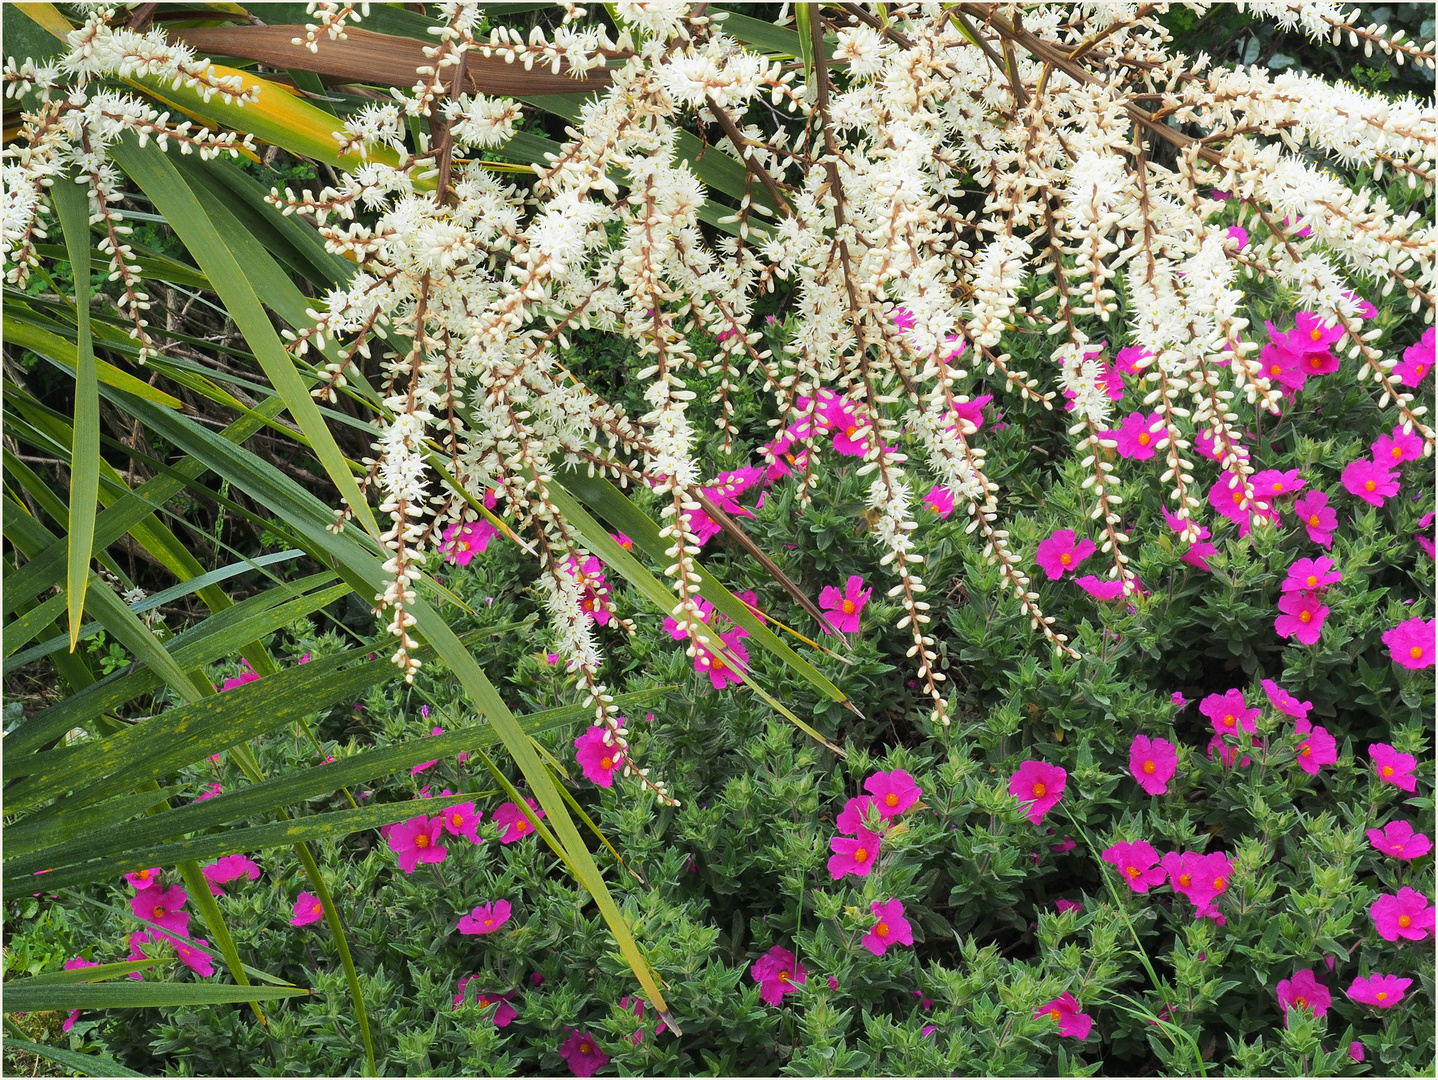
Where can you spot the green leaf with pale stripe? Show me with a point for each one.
(84, 1064)
(136, 995)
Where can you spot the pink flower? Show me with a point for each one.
(143, 879)
(1296, 226)
(485, 919)
(1270, 483)
(75, 965)
(1137, 862)
(1064, 845)
(163, 907)
(1404, 915)
(1317, 750)
(1371, 481)
(893, 792)
(1153, 763)
(624, 542)
(854, 856)
(940, 500)
(903, 318)
(891, 929)
(1126, 360)
(1314, 334)
(503, 1016)
(778, 972)
(462, 542)
(308, 909)
(1317, 517)
(1281, 365)
(1411, 642)
(596, 757)
(1394, 768)
(1040, 784)
(638, 1010)
(1398, 839)
(416, 841)
(1059, 553)
(1207, 877)
(1355, 1051)
(1226, 496)
(1227, 753)
(209, 793)
(1365, 309)
(228, 869)
(970, 414)
(1426, 541)
(1285, 702)
(1417, 360)
(1065, 1011)
(1206, 443)
(1311, 574)
(1393, 450)
(583, 1054)
(1238, 234)
(1098, 588)
(855, 811)
(138, 938)
(462, 819)
(721, 670)
(513, 825)
(1229, 713)
(194, 957)
(422, 766)
(1140, 435)
(843, 608)
(1302, 616)
(1067, 905)
(1179, 701)
(247, 675)
(1303, 991)
(1384, 991)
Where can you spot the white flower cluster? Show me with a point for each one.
(943, 180)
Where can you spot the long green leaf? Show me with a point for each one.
(84, 1064)
(72, 208)
(174, 199)
(98, 973)
(136, 995)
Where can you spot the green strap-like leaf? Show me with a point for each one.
(72, 208)
(98, 973)
(136, 995)
(84, 1064)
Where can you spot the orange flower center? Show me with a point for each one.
(1237, 497)
(456, 820)
(1416, 652)
(158, 911)
(1301, 1001)
(716, 663)
(1369, 485)
(1397, 452)
(861, 855)
(585, 1048)
(783, 976)
(1219, 884)
(488, 922)
(1405, 921)
(1039, 789)
(1055, 1014)
(1388, 770)
(1144, 438)
(1313, 519)
(883, 928)
(317, 909)
(1185, 880)
(1229, 720)
(1132, 871)
(1305, 751)
(891, 799)
(521, 825)
(1420, 369)
(1278, 488)
(848, 607)
(421, 840)
(1275, 369)
(1149, 767)
(462, 546)
(1315, 361)
(1383, 995)
(144, 875)
(1305, 616)
(1312, 580)
(606, 763)
(1066, 558)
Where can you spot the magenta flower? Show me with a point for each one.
(1303, 991)
(163, 907)
(75, 965)
(940, 500)
(638, 1011)
(1179, 701)
(1384, 991)
(1063, 845)
(513, 825)
(855, 811)
(1317, 517)
(1417, 360)
(778, 972)
(1311, 574)
(1065, 1012)
(1067, 905)
(308, 909)
(1404, 915)
(891, 929)
(1227, 752)
(1393, 450)
(1285, 702)
(1398, 839)
(724, 670)
(209, 793)
(1317, 750)
(135, 940)
(1126, 360)
(228, 869)
(1137, 861)
(853, 856)
(1226, 496)
(1355, 1051)
(1394, 768)
(143, 879)
(503, 1016)
(970, 414)
(903, 318)
(596, 757)
(1411, 642)
(1040, 784)
(247, 675)
(843, 608)
(1425, 540)
(1201, 878)
(1371, 481)
(893, 792)
(583, 1054)
(416, 841)
(1060, 553)
(462, 819)
(1140, 435)
(1238, 235)
(1098, 588)
(462, 542)
(194, 956)
(1229, 713)
(1302, 616)
(1281, 365)
(485, 919)
(1153, 763)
